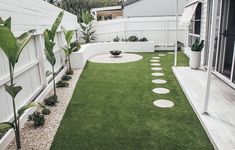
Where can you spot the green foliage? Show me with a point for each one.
(75, 46)
(87, 28)
(69, 72)
(198, 46)
(6, 126)
(66, 77)
(61, 84)
(116, 39)
(133, 39)
(51, 101)
(37, 118)
(46, 111)
(144, 39)
(49, 36)
(24, 108)
(12, 47)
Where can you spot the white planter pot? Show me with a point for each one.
(195, 59)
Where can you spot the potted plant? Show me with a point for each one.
(195, 56)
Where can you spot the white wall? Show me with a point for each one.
(32, 66)
(161, 30)
(153, 8)
(79, 59)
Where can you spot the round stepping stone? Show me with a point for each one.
(156, 68)
(161, 90)
(162, 103)
(159, 81)
(155, 64)
(161, 54)
(154, 60)
(157, 74)
(156, 57)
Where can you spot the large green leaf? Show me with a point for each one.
(49, 44)
(24, 108)
(56, 25)
(22, 41)
(13, 90)
(68, 35)
(6, 23)
(6, 126)
(8, 43)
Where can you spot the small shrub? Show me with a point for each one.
(133, 39)
(66, 78)
(69, 72)
(46, 111)
(37, 118)
(116, 39)
(61, 84)
(144, 39)
(50, 101)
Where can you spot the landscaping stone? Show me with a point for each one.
(156, 69)
(156, 57)
(163, 103)
(159, 81)
(161, 90)
(154, 60)
(155, 64)
(161, 54)
(157, 74)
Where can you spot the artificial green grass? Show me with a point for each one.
(112, 109)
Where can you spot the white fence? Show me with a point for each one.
(31, 69)
(161, 30)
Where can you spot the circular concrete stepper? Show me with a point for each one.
(156, 57)
(161, 90)
(155, 64)
(161, 54)
(123, 58)
(159, 81)
(156, 69)
(157, 74)
(162, 103)
(154, 60)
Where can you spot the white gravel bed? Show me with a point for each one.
(41, 138)
(122, 58)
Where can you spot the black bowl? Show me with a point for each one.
(115, 53)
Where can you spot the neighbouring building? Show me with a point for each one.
(107, 13)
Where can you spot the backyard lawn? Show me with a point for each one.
(112, 109)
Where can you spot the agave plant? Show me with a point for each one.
(49, 36)
(87, 28)
(69, 48)
(198, 46)
(12, 47)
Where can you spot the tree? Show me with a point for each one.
(12, 47)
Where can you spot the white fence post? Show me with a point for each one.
(40, 50)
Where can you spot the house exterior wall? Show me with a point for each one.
(203, 32)
(148, 8)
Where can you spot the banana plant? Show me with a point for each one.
(68, 48)
(12, 47)
(49, 36)
(87, 28)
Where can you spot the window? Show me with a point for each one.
(195, 25)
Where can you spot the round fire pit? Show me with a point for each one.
(115, 53)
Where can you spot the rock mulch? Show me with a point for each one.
(41, 138)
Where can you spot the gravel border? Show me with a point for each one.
(41, 138)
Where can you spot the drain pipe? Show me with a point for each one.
(211, 56)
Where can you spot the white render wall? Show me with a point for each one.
(32, 66)
(161, 30)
